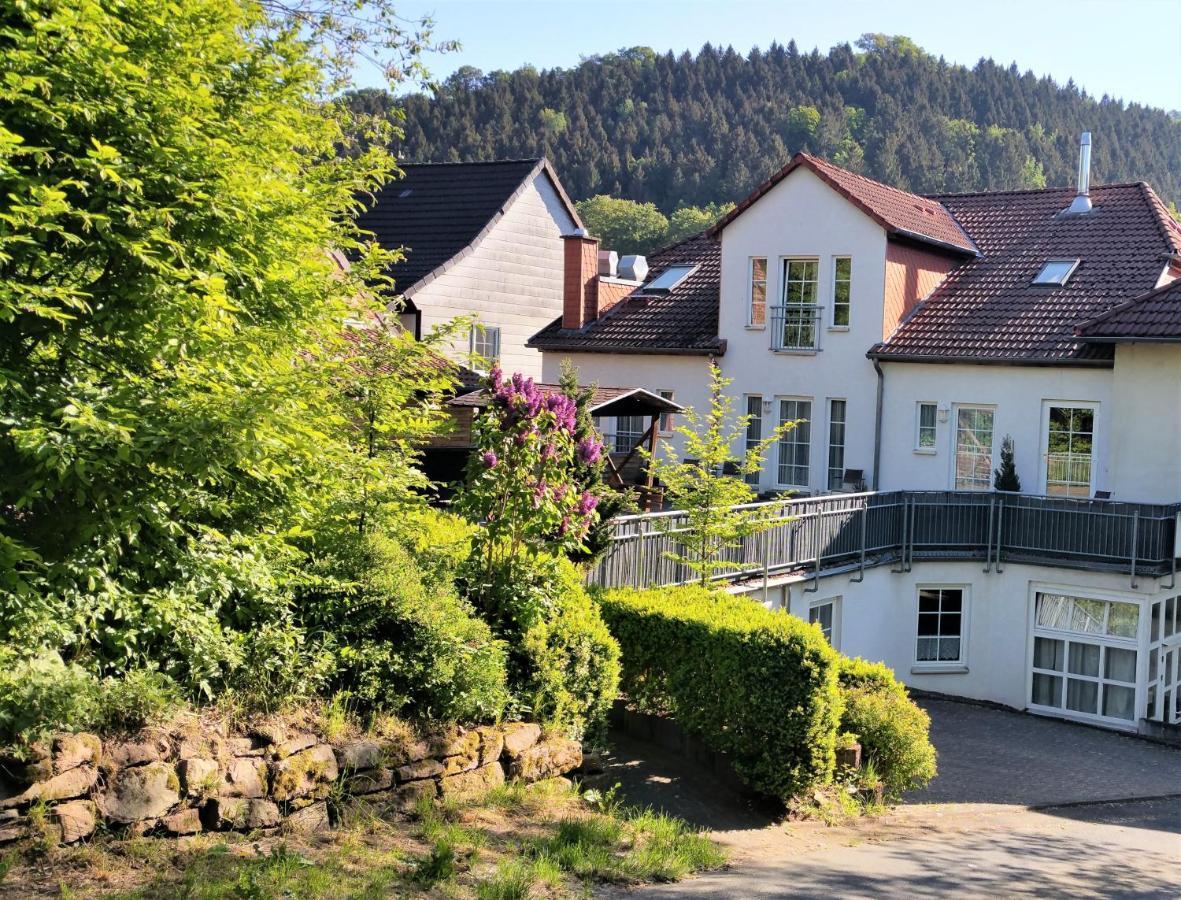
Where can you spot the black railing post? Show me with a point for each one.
(988, 535)
(1135, 541)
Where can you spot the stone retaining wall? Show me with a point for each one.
(188, 780)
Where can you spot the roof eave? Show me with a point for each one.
(1129, 339)
(560, 347)
(986, 360)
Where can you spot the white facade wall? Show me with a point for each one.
(1019, 396)
(686, 376)
(512, 279)
(803, 217)
(1145, 430)
(877, 619)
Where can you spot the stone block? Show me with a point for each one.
(554, 756)
(185, 821)
(309, 819)
(369, 781)
(245, 777)
(358, 755)
(455, 742)
(72, 750)
(141, 792)
(309, 772)
(239, 814)
(122, 754)
(76, 820)
(198, 777)
(453, 765)
(491, 744)
(519, 737)
(405, 799)
(244, 746)
(416, 771)
(474, 783)
(294, 745)
(14, 830)
(66, 786)
(269, 734)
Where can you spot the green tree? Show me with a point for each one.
(175, 433)
(687, 221)
(710, 483)
(624, 225)
(1006, 478)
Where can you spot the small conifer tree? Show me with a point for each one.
(1006, 476)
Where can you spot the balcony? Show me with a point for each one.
(854, 531)
(795, 327)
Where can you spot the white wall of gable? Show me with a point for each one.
(802, 216)
(1146, 423)
(512, 280)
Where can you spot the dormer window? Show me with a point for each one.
(668, 279)
(1056, 271)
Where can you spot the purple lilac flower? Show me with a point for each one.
(490, 459)
(589, 450)
(539, 493)
(587, 503)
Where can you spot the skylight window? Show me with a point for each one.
(668, 279)
(1056, 271)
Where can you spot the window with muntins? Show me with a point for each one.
(1069, 444)
(628, 432)
(973, 448)
(795, 446)
(758, 291)
(836, 444)
(485, 344)
(754, 430)
(842, 289)
(925, 428)
(824, 615)
(795, 322)
(941, 626)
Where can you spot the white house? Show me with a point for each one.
(910, 335)
(483, 241)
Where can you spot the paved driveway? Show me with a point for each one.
(1023, 806)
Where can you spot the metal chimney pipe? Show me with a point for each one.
(1082, 200)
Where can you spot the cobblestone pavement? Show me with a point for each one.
(1020, 808)
(997, 756)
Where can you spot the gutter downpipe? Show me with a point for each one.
(877, 425)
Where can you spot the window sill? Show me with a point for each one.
(802, 351)
(925, 451)
(952, 669)
(838, 327)
(755, 327)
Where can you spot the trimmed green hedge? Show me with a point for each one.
(757, 685)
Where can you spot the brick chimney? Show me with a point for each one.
(580, 281)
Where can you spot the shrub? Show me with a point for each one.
(892, 729)
(758, 685)
(404, 644)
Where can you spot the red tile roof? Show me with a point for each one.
(683, 321)
(900, 213)
(989, 311)
(1155, 316)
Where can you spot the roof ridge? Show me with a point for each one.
(473, 162)
(1045, 190)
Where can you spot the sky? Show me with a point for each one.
(1130, 49)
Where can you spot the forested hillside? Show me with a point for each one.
(695, 129)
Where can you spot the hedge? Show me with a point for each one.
(757, 685)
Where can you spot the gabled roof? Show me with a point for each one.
(901, 213)
(987, 310)
(1151, 317)
(605, 401)
(440, 212)
(683, 321)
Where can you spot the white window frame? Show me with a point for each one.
(811, 420)
(1139, 644)
(615, 446)
(754, 478)
(955, 436)
(480, 332)
(829, 445)
(1044, 448)
(943, 666)
(750, 292)
(778, 312)
(665, 422)
(918, 428)
(834, 639)
(832, 294)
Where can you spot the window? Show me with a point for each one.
(668, 279)
(795, 321)
(754, 430)
(925, 427)
(1085, 656)
(666, 419)
(758, 291)
(842, 287)
(794, 446)
(629, 430)
(941, 626)
(826, 614)
(836, 444)
(485, 344)
(1070, 435)
(1056, 271)
(973, 448)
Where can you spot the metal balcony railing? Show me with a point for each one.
(795, 327)
(819, 534)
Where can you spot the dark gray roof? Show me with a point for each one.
(683, 321)
(1155, 316)
(438, 212)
